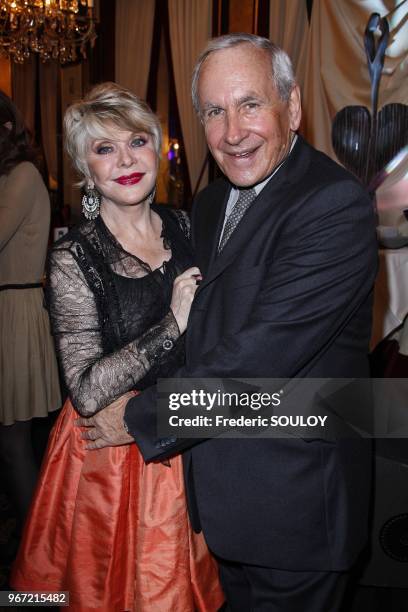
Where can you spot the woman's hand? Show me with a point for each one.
(106, 427)
(184, 288)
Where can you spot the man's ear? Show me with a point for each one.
(8, 125)
(294, 109)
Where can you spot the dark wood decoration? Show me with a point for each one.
(102, 57)
(261, 18)
(158, 24)
(220, 21)
(309, 8)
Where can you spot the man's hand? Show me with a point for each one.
(106, 428)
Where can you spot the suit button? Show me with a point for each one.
(168, 345)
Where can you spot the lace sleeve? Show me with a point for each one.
(95, 380)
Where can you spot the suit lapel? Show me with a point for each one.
(207, 227)
(216, 235)
(261, 209)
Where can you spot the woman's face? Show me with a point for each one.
(123, 166)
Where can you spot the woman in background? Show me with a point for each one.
(104, 526)
(29, 384)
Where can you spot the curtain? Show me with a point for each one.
(71, 81)
(24, 89)
(289, 28)
(190, 29)
(336, 67)
(133, 43)
(49, 83)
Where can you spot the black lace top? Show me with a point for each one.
(110, 313)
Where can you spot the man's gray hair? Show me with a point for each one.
(281, 67)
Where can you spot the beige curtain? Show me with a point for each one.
(23, 86)
(190, 29)
(49, 100)
(336, 72)
(133, 43)
(72, 78)
(289, 28)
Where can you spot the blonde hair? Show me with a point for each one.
(89, 119)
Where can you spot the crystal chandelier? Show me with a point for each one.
(54, 29)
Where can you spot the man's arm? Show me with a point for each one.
(308, 296)
(314, 285)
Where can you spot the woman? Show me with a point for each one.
(104, 526)
(29, 385)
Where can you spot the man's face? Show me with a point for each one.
(248, 127)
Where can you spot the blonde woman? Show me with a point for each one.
(104, 526)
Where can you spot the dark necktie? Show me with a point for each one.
(245, 199)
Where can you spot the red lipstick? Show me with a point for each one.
(130, 179)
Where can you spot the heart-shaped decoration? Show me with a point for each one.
(351, 132)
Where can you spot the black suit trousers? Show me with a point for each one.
(249, 588)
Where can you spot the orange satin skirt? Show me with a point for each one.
(113, 531)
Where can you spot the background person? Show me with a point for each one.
(29, 385)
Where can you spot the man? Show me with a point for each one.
(286, 292)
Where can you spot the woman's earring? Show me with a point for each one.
(150, 197)
(91, 202)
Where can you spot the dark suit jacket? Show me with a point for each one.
(290, 296)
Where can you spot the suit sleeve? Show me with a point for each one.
(313, 286)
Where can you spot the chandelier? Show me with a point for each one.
(55, 29)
